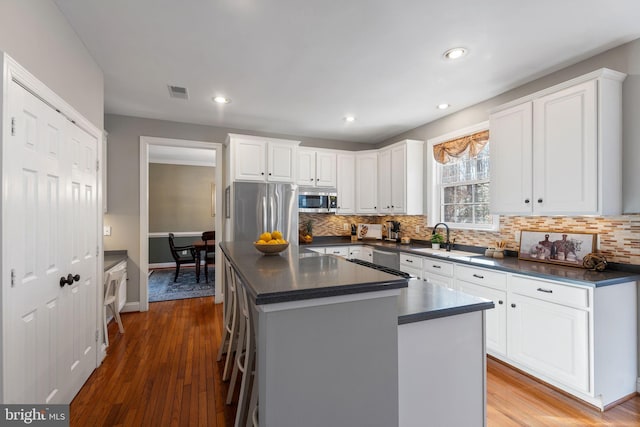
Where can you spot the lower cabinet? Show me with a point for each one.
(342, 251)
(551, 339)
(578, 338)
(496, 319)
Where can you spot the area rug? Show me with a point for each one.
(162, 288)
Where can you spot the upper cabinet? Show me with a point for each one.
(400, 178)
(346, 183)
(366, 182)
(316, 168)
(261, 159)
(559, 151)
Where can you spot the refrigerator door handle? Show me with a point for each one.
(272, 212)
(264, 214)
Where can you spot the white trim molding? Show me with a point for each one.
(145, 143)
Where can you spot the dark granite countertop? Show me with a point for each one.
(112, 258)
(301, 275)
(423, 301)
(573, 275)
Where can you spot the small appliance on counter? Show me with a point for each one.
(393, 231)
(370, 231)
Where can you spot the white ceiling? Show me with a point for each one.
(299, 66)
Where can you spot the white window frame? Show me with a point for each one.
(434, 188)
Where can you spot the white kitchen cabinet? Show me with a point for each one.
(341, 251)
(438, 272)
(261, 159)
(346, 183)
(559, 151)
(550, 339)
(400, 178)
(411, 264)
(319, 250)
(316, 168)
(496, 319)
(492, 285)
(361, 252)
(367, 182)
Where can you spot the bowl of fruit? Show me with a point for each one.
(271, 243)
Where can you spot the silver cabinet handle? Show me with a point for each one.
(478, 276)
(548, 291)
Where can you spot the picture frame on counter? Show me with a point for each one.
(556, 247)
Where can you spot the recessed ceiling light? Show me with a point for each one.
(443, 106)
(455, 53)
(221, 100)
(349, 119)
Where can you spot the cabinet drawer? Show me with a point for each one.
(342, 251)
(481, 276)
(438, 267)
(410, 260)
(550, 291)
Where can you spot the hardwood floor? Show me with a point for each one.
(162, 372)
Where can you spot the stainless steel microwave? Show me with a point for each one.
(317, 201)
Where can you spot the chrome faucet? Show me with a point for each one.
(447, 244)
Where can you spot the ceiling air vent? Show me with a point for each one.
(178, 92)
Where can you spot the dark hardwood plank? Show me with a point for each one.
(162, 372)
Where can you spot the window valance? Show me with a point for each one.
(474, 143)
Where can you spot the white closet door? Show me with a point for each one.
(50, 228)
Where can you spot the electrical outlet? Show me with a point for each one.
(516, 236)
(417, 228)
(107, 230)
(345, 226)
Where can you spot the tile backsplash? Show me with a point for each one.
(618, 236)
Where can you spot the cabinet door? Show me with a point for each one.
(565, 169)
(354, 252)
(496, 319)
(436, 279)
(326, 169)
(398, 174)
(366, 254)
(250, 158)
(550, 339)
(416, 272)
(280, 162)
(384, 181)
(511, 160)
(366, 183)
(342, 251)
(318, 250)
(306, 167)
(346, 183)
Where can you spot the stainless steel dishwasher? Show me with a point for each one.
(386, 259)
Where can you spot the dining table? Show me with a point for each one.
(201, 246)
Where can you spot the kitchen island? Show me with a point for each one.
(328, 338)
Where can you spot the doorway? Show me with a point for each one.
(166, 146)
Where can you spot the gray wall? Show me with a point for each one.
(625, 58)
(180, 198)
(38, 36)
(123, 176)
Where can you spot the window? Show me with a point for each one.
(459, 188)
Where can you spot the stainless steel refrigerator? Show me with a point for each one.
(261, 207)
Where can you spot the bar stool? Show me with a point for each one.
(226, 310)
(231, 320)
(244, 357)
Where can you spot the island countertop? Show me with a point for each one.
(300, 275)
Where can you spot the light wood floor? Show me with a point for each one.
(162, 372)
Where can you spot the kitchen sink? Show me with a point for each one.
(444, 254)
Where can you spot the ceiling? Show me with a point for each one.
(298, 67)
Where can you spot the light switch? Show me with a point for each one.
(345, 226)
(107, 230)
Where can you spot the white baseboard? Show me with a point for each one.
(130, 306)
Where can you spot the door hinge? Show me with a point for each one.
(13, 277)
(97, 250)
(13, 126)
(97, 335)
(97, 165)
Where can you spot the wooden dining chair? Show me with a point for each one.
(179, 257)
(209, 252)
